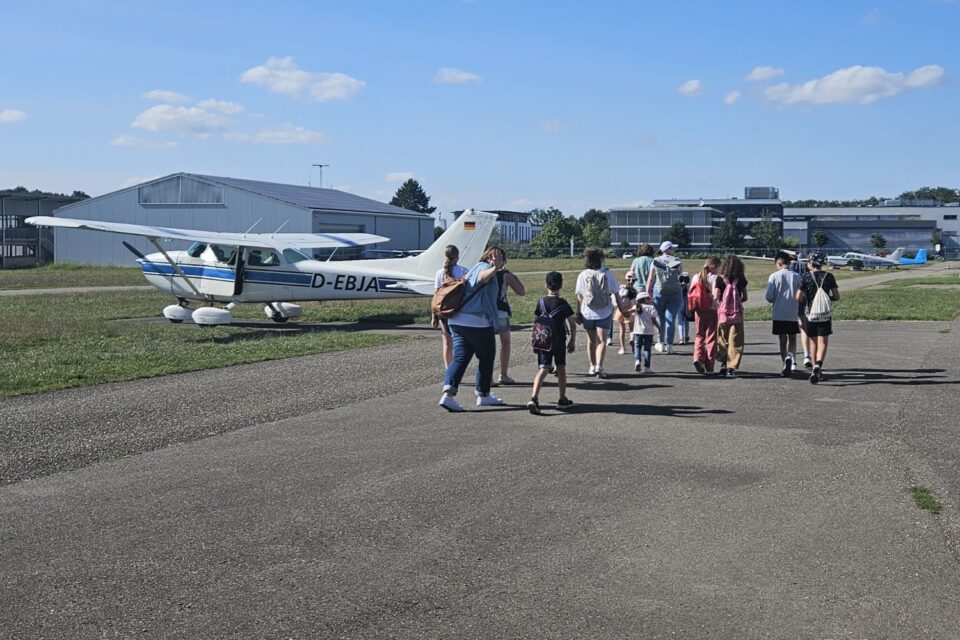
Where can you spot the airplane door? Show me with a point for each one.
(219, 271)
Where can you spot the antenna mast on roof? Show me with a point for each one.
(321, 166)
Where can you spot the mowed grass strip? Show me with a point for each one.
(71, 275)
(58, 342)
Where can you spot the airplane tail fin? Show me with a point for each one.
(469, 233)
(896, 255)
(921, 257)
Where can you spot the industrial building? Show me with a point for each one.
(21, 244)
(701, 216)
(850, 228)
(212, 203)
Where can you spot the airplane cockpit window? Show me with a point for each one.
(292, 256)
(220, 253)
(263, 258)
(196, 249)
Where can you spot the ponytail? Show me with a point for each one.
(451, 254)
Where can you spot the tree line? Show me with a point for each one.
(943, 195)
(23, 191)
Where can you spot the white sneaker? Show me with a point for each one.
(591, 370)
(669, 349)
(648, 369)
(622, 351)
(451, 405)
(636, 366)
(489, 400)
(658, 347)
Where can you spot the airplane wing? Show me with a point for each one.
(757, 258)
(256, 240)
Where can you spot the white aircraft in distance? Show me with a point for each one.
(270, 268)
(893, 260)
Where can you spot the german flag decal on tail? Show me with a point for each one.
(470, 226)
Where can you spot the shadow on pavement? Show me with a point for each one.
(913, 377)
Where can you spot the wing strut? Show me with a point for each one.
(176, 267)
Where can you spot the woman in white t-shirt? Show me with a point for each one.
(595, 287)
(450, 271)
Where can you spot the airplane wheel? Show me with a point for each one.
(279, 318)
(175, 321)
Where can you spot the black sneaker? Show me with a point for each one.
(731, 373)
(723, 371)
(815, 376)
(787, 367)
(564, 403)
(699, 366)
(533, 406)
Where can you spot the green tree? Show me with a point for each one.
(820, 238)
(597, 216)
(936, 237)
(729, 234)
(410, 195)
(495, 239)
(437, 232)
(678, 234)
(557, 232)
(791, 243)
(596, 234)
(541, 217)
(766, 233)
(877, 241)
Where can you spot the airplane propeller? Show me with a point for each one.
(132, 249)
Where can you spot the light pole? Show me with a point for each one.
(321, 166)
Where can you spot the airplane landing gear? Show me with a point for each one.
(282, 311)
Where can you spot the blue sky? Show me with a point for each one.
(488, 103)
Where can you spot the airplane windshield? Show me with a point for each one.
(196, 249)
(293, 256)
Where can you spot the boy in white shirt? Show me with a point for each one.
(782, 293)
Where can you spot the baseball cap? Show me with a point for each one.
(666, 245)
(643, 295)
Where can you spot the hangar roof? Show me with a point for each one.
(300, 196)
(311, 197)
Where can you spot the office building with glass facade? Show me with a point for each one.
(635, 225)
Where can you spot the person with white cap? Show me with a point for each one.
(663, 285)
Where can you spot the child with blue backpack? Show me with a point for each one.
(554, 320)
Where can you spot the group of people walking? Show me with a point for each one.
(652, 306)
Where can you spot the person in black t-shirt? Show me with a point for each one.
(563, 319)
(819, 332)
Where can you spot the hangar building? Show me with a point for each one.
(212, 203)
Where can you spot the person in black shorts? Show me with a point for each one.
(563, 319)
(819, 332)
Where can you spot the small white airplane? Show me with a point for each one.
(270, 268)
(868, 260)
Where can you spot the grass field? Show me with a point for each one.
(56, 342)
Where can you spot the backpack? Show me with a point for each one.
(544, 328)
(731, 307)
(699, 299)
(821, 309)
(448, 299)
(451, 296)
(598, 292)
(668, 270)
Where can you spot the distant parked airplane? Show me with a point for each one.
(893, 260)
(921, 258)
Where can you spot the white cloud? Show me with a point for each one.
(763, 73)
(690, 88)
(552, 126)
(222, 106)
(398, 176)
(194, 120)
(161, 95)
(281, 75)
(124, 140)
(284, 134)
(855, 85)
(8, 116)
(731, 97)
(447, 75)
